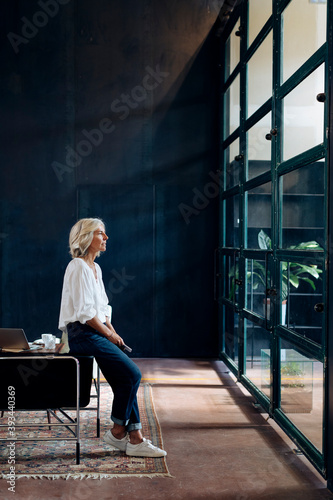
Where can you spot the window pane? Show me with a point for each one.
(258, 148)
(233, 168)
(260, 76)
(232, 108)
(302, 384)
(259, 12)
(304, 31)
(303, 207)
(257, 361)
(258, 212)
(256, 287)
(304, 116)
(302, 290)
(232, 55)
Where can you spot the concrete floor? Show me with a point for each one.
(219, 446)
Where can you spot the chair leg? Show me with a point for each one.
(2, 413)
(48, 418)
(98, 430)
(98, 392)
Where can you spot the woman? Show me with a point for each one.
(86, 317)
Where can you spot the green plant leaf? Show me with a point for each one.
(260, 278)
(291, 272)
(310, 270)
(306, 245)
(284, 266)
(264, 240)
(259, 267)
(294, 280)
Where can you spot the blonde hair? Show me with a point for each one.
(81, 236)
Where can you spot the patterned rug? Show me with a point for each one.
(56, 459)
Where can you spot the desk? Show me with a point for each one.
(35, 352)
(42, 381)
(46, 380)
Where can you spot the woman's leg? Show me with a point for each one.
(119, 370)
(124, 378)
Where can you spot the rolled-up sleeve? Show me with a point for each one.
(108, 312)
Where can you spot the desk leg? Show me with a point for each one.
(77, 453)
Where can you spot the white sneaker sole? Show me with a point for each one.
(145, 449)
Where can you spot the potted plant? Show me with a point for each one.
(296, 382)
(292, 375)
(297, 272)
(293, 273)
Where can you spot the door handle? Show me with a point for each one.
(273, 133)
(319, 308)
(321, 97)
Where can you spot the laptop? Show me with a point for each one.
(15, 340)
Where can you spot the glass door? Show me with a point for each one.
(273, 231)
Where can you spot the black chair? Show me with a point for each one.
(51, 383)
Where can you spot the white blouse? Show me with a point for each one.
(83, 297)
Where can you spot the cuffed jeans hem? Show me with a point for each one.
(119, 422)
(134, 427)
(129, 427)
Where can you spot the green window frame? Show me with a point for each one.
(264, 182)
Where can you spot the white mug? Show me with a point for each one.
(49, 340)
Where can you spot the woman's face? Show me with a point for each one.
(98, 243)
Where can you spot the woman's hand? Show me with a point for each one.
(107, 330)
(113, 336)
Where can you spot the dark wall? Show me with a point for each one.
(108, 109)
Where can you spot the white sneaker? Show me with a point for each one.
(144, 449)
(117, 443)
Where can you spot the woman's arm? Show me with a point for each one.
(107, 330)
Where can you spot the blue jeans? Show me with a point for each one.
(119, 370)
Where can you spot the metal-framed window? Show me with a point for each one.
(272, 279)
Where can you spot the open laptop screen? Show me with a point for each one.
(13, 339)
